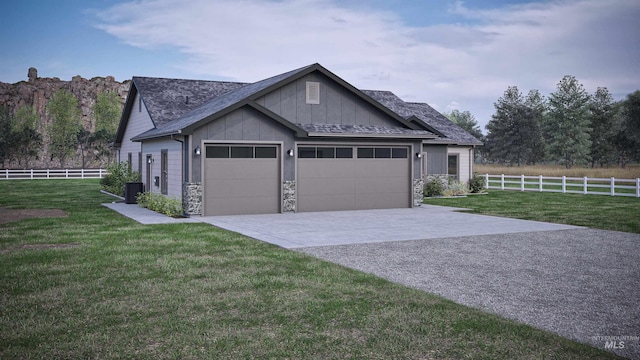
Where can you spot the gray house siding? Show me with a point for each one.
(174, 153)
(436, 159)
(337, 104)
(139, 122)
(244, 124)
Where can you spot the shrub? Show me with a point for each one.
(455, 188)
(433, 188)
(119, 175)
(160, 203)
(476, 184)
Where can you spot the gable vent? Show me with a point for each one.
(313, 92)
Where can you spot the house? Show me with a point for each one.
(305, 140)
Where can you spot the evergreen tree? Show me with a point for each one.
(568, 125)
(602, 115)
(466, 121)
(65, 125)
(627, 139)
(514, 130)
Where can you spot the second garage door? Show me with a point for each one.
(353, 178)
(241, 179)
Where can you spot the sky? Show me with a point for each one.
(450, 54)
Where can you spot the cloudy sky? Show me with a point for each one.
(451, 54)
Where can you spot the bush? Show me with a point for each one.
(476, 184)
(455, 188)
(119, 175)
(160, 203)
(433, 188)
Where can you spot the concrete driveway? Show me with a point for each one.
(298, 230)
(580, 283)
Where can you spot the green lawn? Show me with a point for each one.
(126, 290)
(595, 211)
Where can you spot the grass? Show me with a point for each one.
(595, 211)
(629, 172)
(191, 291)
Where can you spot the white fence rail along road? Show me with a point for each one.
(31, 174)
(573, 185)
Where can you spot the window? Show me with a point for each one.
(129, 161)
(452, 168)
(313, 92)
(400, 153)
(217, 152)
(241, 152)
(164, 171)
(326, 153)
(266, 152)
(307, 152)
(344, 153)
(383, 153)
(365, 153)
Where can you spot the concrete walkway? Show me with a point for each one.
(580, 283)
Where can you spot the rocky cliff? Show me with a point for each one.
(37, 92)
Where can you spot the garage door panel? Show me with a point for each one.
(318, 168)
(234, 186)
(241, 187)
(324, 202)
(352, 184)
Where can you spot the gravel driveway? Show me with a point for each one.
(582, 284)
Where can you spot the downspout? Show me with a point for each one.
(471, 161)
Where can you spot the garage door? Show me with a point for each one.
(241, 179)
(353, 178)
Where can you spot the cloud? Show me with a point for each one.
(468, 64)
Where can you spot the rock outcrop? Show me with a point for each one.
(37, 92)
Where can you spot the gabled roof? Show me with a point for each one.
(178, 106)
(430, 118)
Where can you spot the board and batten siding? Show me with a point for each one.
(436, 159)
(246, 125)
(465, 166)
(337, 104)
(174, 158)
(138, 122)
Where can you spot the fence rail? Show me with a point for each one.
(32, 174)
(574, 185)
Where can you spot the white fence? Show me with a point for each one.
(32, 174)
(574, 185)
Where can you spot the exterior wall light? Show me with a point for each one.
(419, 155)
(290, 152)
(197, 151)
(149, 160)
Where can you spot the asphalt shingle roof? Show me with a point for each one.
(166, 101)
(430, 116)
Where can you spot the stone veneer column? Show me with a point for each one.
(418, 192)
(289, 196)
(192, 198)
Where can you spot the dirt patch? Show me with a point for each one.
(9, 215)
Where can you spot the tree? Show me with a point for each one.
(514, 129)
(627, 139)
(533, 126)
(107, 112)
(602, 115)
(6, 139)
(65, 125)
(28, 141)
(466, 121)
(568, 126)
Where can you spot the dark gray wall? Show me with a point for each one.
(245, 124)
(337, 105)
(436, 158)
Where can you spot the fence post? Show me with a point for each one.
(613, 186)
(82, 173)
(564, 184)
(637, 187)
(522, 182)
(540, 183)
(585, 185)
(502, 182)
(31, 174)
(486, 181)
(66, 173)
